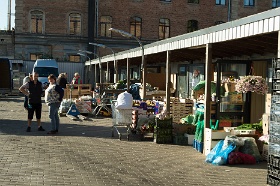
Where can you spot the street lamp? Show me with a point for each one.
(104, 46)
(88, 52)
(81, 54)
(128, 35)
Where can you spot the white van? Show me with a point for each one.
(45, 67)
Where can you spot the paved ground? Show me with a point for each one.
(84, 153)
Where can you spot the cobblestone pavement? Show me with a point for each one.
(84, 153)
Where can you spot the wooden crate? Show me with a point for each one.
(77, 90)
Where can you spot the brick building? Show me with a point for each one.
(50, 29)
(58, 29)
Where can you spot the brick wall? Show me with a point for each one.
(56, 14)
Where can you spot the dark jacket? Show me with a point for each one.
(61, 81)
(35, 91)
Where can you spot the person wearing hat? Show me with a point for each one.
(77, 79)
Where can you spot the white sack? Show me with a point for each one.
(124, 101)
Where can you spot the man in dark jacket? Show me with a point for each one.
(33, 90)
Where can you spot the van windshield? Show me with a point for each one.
(46, 71)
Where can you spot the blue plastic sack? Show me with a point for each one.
(222, 157)
(214, 152)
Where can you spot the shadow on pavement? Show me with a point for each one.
(84, 128)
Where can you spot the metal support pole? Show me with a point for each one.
(95, 74)
(128, 74)
(168, 81)
(116, 72)
(107, 75)
(144, 73)
(208, 64)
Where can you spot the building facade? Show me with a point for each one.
(153, 20)
(50, 29)
(59, 29)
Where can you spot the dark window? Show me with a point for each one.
(165, 0)
(46, 71)
(249, 2)
(75, 24)
(105, 24)
(164, 28)
(136, 26)
(75, 58)
(192, 25)
(220, 2)
(36, 22)
(193, 1)
(35, 56)
(275, 3)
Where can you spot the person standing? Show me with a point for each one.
(33, 90)
(25, 80)
(61, 80)
(77, 79)
(53, 97)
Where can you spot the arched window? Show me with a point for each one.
(105, 24)
(37, 21)
(74, 24)
(136, 26)
(164, 28)
(192, 25)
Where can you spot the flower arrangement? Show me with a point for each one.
(251, 84)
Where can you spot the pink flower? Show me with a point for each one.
(251, 84)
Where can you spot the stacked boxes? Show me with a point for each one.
(163, 131)
(273, 176)
(180, 109)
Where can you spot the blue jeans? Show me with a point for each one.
(53, 115)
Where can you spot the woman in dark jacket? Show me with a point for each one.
(61, 80)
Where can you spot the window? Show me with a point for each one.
(193, 1)
(75, 58)
(192, 25)
(36, 56)
(275, 3)
(105, 24)
(249, 2)
(75, 24)
(136, 26)
(165, 0)
(220, 2)
(164, 28)
(36, 22)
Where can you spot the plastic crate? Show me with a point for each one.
(198, 145)
(243, 132)
(271, 180)
(163, 140)
(180, 140)
(273, 171)
(166, 123)
(274, 161)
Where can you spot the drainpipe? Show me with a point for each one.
(9, 15)
(96, 18)
(229, 10)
